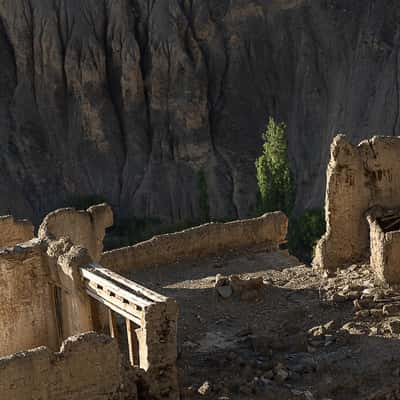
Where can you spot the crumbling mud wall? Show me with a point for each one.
(269, 230)
(88, 366)
(358, 178)
(83, 228)
(42, 297)
(13, 231)
(26, 300)
(73, 308)
(158, 348)
(385, 244)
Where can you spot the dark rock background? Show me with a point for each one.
(130, 99)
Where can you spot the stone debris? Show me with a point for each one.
(394, 327)
(204, 389)
(245, 289)
(281, 373)
(391, 309)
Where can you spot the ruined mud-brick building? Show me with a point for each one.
(362, 207)
(58, 289)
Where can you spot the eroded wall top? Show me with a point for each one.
(83, 228)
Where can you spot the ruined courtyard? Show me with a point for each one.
(221, 311)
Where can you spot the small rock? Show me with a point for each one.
(339, 298)
(376, 313)
(362, 314)
(204, 389)
(281, 374)
(373, 331)
(329, 326)
(354, 328)
(308, 395)
(394, 327)
(317, 331)
(391, 309)
(353, 295)
(369, 292)
(362, 304)
(224, 291)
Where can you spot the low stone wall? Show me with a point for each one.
(13, 231)
(89, 367)
(269, 230)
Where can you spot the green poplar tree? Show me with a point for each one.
(275, 179)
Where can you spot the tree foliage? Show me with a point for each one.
(275, 179)
(304, 232)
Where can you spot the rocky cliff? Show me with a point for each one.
(131, 100)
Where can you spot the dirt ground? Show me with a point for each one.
(303, 335)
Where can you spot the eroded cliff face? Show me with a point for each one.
(131, 99)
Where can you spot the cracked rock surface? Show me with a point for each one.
(130, 100)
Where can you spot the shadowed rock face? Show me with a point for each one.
(130, 99)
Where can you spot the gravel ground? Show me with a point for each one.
(302, 335)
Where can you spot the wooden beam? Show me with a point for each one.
(117, 300)
(150, 294)
(112, 321)
(110, 286)
(129, 332)
(114, 307)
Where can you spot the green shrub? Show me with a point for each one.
(304, 232)
(275, 179)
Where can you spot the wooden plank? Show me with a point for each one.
(116, 300)
(106, 284)
(112, 321)
(131, 350)
(118, 310)
(154, 296)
